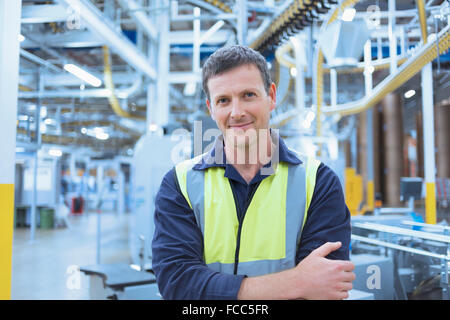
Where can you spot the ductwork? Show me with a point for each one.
(117, 41)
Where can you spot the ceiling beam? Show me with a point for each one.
(106, 30)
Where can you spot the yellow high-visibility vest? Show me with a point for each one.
(267, 238)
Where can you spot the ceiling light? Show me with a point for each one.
(348, 14)
(153, 127)
(409, 93)
(102, 136)
(189, 88)
(43, 111)
(55, 152)
(83, 130)
(49, 121)
(294, 72)
(310, 116)
(83, 75)
(21, 38)
(306, 124)
(99, 133)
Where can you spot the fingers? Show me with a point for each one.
(348, 277)
(326, 249)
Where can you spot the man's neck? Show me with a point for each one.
(247, 160)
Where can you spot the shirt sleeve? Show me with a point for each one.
(328, 217)
(177, 251)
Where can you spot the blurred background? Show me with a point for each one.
(100, 98)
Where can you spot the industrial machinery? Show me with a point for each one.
(398, 261)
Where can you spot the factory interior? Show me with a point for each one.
(99, 99)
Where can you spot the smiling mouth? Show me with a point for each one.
(240, 125)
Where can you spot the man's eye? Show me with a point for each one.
(249, 94)
(222, 100)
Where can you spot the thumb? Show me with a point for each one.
(326, 249)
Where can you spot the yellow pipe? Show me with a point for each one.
(109, 84)
(401, 77)
(423, 20)
(319, 81)
(24, 88)
(279, 22)
(383, 89)
(6, 238)
(222, 6)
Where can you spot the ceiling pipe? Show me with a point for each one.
(109, 83)
(31, 57)
(104, 28)
(136, 11)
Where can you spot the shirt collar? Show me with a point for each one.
(216, 156)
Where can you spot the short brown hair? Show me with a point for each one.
(230, 57)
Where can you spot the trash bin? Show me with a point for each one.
(47, 218)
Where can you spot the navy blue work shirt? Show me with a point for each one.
(177, 247)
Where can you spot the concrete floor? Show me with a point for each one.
(42, 268)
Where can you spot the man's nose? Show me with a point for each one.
(236, 109)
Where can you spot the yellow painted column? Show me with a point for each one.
(370, 195)
(430, 203)
(9, 75)
(428, 126)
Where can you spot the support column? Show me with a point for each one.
(368, 70)
(428, 144)
(392, 37)
(443, 138)
(299, 54)
(377, 136)
(162, 108)
(362, 146)
(419, 128)
(242, 22)
(393, 148)
(10, 12)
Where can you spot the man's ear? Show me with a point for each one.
(208, 104)
(273, 96)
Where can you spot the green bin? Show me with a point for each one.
(47, 218)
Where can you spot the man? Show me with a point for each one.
(251, 219)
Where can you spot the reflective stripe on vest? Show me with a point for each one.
(273, 222)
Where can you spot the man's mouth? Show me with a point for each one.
(242, 126)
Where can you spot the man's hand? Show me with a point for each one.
(315, 277)
(321, 278)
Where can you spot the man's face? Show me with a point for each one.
(240, 104)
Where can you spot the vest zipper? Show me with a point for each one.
(241, 216)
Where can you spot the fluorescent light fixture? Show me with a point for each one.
(49, 121)
(55, 152)
(410, 93)
(83, 75)
(293, 72)
(20, 149)
(189, 88)
(370, 69)
(43, 111)
(306, 124)
(102, 136)
(153, 127)
(310, 116)
(348, 14)
(21, 38)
